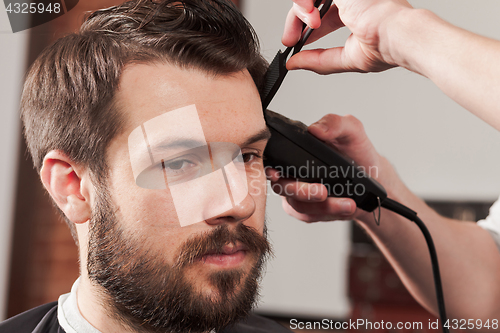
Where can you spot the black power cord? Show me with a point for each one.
(404, 211)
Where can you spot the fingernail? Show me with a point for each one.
(307, 21)
(346, 207)
(321, 127)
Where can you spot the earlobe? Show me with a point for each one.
(63, 179)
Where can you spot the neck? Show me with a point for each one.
(91, 303)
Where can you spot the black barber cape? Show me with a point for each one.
(43, 319)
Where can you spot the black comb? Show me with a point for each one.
(277, 71)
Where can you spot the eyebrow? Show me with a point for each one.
(181, 143)
(263, 134)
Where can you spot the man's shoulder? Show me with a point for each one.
(256, 324)
(42, 319)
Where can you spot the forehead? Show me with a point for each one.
(228, 106)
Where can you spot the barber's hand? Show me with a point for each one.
(366, 50)
(309, 202)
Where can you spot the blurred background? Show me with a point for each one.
(323, 270)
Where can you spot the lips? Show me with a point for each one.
(228, 256)
(228, 249)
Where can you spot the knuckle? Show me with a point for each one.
(330, 119)
(354, 122)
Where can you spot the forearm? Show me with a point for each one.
(465, 66)
(468, 258)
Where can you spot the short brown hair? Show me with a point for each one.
(68, 97)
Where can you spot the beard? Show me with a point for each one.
(147, 294)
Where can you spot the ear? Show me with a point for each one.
(67, 184)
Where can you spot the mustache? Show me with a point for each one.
(213, 242)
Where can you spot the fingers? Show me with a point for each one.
(302, 11)
(305, 5)
(272, 174)
(307, 13)
(327, 61)
(320, 61)
(300, 191)
(330, 22)
(310, 202)
(329, 210)
(293, 29)
(293, 26)
(347, 134)
(293, 188)
(339, 130)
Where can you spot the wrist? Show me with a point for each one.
(387, 176)
(400, 34)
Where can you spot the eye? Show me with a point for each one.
(248, 157)
(177, 166)
(180, 169)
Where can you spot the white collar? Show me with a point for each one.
(69, 316)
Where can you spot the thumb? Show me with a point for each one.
(321, 61)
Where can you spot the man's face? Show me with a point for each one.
(207, 268)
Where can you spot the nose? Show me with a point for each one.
(239, 212)
(243, 204)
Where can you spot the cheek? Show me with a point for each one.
(149, 217)
(139, 207)
(257, 188)
(144, 208)
(257, 181)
